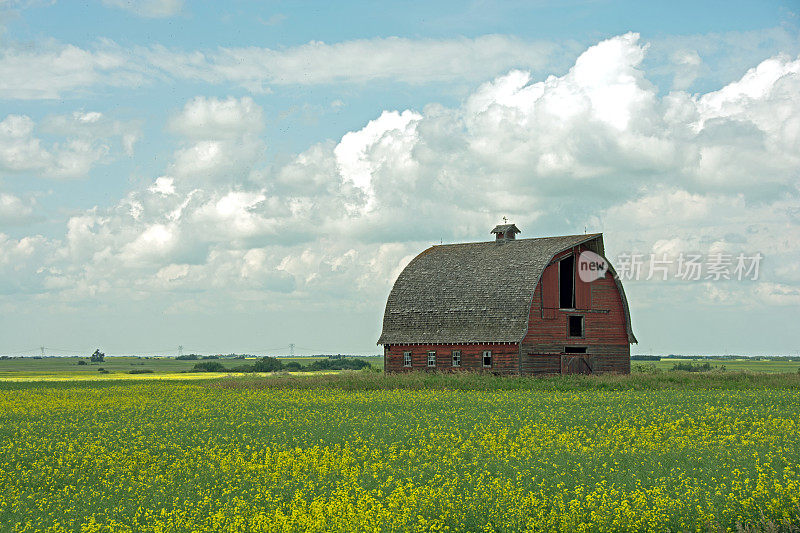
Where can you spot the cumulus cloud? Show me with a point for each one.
(211, 118)
(55, 70)
(90, 139)
(21, 151)
(383, 141)
(597, 147)
(14, 210)
(221, 140)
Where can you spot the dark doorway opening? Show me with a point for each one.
(566, 283)
(575, 349)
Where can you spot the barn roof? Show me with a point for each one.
(473, 292)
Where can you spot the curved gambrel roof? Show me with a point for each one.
(474, 292)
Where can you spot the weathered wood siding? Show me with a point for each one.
(605, 332)
(505, 357)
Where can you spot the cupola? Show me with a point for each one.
(505, 232)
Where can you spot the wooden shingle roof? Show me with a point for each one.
(473, 292)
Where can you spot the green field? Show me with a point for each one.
(362, 451)
(743, 364)
(61, 367)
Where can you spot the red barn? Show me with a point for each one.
(512, 306)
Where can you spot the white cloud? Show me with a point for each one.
(778, 294)
(93, 126)
(55, 70)
(597, 147)
(688, 67)
(222, 140)
(21, 151)
(358, 61)
(212, 118)
(148, 8)
(52, 70)
(14, 210)
(713, 59)
(90, 141)
(163, 185)
(361, 153)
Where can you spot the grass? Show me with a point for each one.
(743, 364)
(424, 451)
(366, 380)
(56, 368)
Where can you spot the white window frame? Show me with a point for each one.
(406, 359)
(483, 359)
(456, 358)
(431, 357)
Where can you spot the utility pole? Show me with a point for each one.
(42, 347)
(180, 350)
(291, 349)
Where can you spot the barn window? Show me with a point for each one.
(487, 359)
(575, 349)
(566, 283)
(576, 326)
(456, 357)
(431, 358)
(406, 358)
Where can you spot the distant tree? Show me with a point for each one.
(97, 357)
(267, 364)
(209, 366)
(81, 362)
(338, 364)
(293, 366)
(689, 367)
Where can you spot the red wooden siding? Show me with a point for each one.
(605, 332)
(505, 357)
(549, 286)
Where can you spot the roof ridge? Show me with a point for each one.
(587, 235)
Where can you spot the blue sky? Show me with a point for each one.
(239, 176)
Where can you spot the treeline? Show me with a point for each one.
(683, 366)
(195, 357)
(273, 364)
(789, 358)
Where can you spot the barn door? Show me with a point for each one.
(577, 364)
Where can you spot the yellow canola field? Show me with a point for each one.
(183, 456)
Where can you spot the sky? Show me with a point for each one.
(237, 177)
